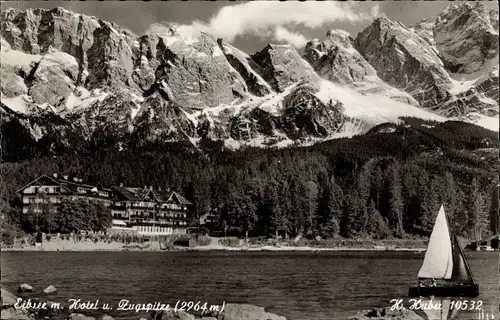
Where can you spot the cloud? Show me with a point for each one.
(295, 39)
(260, 18)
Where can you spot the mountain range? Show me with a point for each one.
(70, 79)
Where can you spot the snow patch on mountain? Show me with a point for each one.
(82, 98)
(18, 104)
(490, 123)
(461, 85)
(371, 108)
(17, 58)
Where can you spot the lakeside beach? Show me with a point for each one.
(213, 245)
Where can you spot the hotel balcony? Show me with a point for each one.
(173, 208)
(52, 199)
(144, 207)
(160, 223)
(118, 208)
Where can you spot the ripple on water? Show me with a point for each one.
(297, 285)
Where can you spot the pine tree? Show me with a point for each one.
(281, 220)
(494, 213)
(201, 197)
(429, 207)
(377, 226)
(311, 189)
(246, 214)
(330, 206)
(474, 207)
(354, 216)
(413, 179)
(299, 205)
(461, 216)
(377, 185)
(271, 212)
(396, 204)
(450, 195)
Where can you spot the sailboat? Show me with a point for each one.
(445, 271)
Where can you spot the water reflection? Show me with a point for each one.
(437, 309)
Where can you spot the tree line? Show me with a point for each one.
(378, 185)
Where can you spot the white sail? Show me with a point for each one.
(438, 261)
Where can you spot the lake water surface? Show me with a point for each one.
(297, 285)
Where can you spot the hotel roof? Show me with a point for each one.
(129, 193)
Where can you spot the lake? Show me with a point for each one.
(297, 285)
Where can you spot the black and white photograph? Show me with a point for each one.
(249, 160)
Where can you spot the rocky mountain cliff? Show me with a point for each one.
(69, 78)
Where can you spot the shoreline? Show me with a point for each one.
(214, 245)
(223, 249)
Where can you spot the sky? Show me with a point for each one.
(250, 26)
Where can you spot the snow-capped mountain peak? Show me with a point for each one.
(76, 77)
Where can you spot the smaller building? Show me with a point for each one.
(489, 244)
(207, 219)
(52, 189)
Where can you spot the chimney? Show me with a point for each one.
(55, 175)
(65, 177)
(121, 184)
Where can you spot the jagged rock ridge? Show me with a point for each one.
(68, 77)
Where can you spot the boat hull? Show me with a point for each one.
(469, 290)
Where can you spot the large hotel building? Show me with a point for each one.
(143, 211)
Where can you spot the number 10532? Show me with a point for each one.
(466, 305)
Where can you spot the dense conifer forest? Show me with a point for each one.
(388, 183)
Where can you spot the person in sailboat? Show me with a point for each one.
(433, 283)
